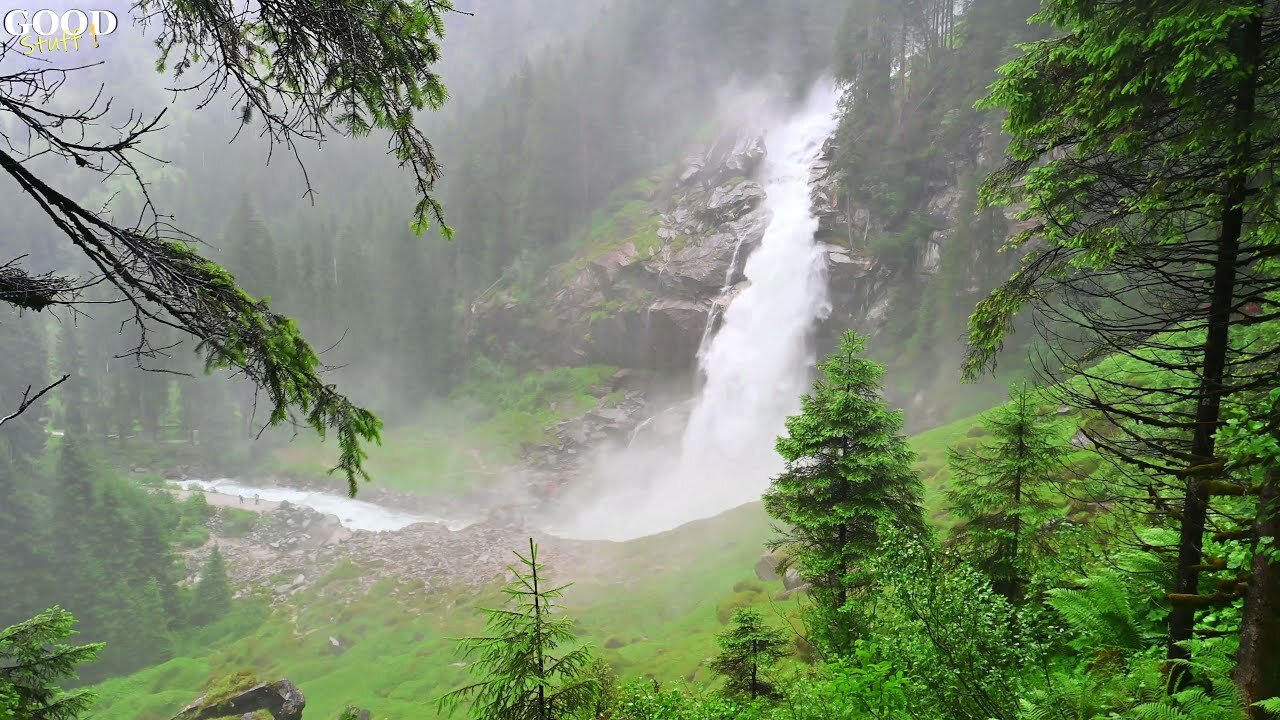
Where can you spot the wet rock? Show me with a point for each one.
(931, 258)
(727, 202)
(745, 155)
(663, 426)
(696, 273)
(789, 593)
(767, 567)
(282, 699)
(943, 205)
(791, 579)
(692, 167)
(678, 324)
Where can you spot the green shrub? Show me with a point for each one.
(236, 522)
(193, 537)
(740, 599)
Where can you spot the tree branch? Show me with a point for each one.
(28, 399)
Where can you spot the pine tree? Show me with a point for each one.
(747, 651)
(212, 597)
(253, 258)
(34, 656)
(522, 676)
(848, 471)
(998, 491)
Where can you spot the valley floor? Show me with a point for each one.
(325, 604)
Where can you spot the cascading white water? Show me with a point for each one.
(756, 366)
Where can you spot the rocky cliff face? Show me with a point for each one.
(650, 308)
(648, 301)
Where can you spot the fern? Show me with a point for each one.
(1212, 663)
(1100, 615)
(1271, 705)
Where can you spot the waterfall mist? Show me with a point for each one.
(756, 365)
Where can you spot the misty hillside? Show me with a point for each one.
(828, 359)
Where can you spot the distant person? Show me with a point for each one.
(241, 499)
(256, 498)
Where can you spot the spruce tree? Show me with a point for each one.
(522, 674)
(848, 471)
(33, 657)
(748, 650)
(212, 597)
(999, 491)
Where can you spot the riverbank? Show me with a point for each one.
(217, 499)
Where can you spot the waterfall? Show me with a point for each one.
(756, 365)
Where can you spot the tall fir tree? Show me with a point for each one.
(523, 673)
(1001, 491)
(137, 635)
(848, 472)
(73, 500)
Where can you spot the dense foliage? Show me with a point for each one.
(1142, 137)
(105, 549)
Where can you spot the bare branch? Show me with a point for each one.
(28, 399)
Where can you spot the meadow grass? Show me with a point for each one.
(396, 651)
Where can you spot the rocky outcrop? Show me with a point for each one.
(652, 311)
(282, 699)
(649, 309)
(650, 303)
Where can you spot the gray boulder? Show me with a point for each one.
(282, 699)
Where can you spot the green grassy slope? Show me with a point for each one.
(397, 655)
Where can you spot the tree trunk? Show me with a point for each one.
(1195, 505)
(754, 676)
(537, 622)
(1258, 660)
(1011, 584)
